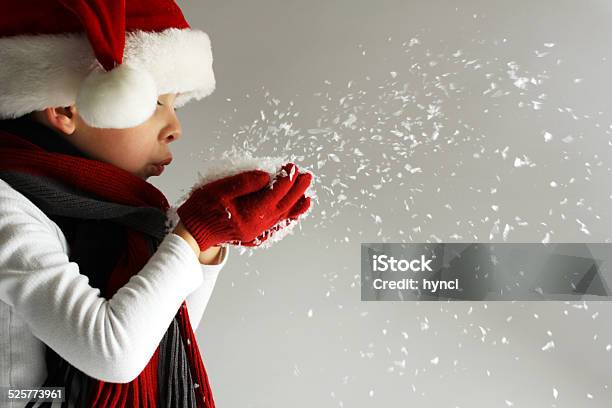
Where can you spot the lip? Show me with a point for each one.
(165, 162)
(158, 169)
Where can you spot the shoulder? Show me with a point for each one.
(12, 201)
(16, 210)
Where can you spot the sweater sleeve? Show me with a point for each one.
(111, 340)
(198, 299)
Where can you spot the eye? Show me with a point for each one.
(161, 104)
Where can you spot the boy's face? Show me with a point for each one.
(142, 150)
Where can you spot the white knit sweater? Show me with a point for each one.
(44, 298)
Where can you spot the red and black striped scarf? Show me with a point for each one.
(100, 206)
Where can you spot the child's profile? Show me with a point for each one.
(97, 296)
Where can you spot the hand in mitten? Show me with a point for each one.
(298, 209)
(241, 208)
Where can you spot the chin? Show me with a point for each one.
(143, 176)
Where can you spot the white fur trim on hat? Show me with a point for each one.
(40, 71)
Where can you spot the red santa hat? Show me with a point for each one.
(112, 58)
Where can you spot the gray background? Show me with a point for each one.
(285, 326)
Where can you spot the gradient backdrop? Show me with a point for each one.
(496, 114)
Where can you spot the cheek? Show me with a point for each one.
(128, 151)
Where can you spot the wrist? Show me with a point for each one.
(184, 233)
(211, 256)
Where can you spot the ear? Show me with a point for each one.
(62, 119)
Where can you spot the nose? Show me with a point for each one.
(172, 131)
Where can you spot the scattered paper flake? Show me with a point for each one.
(548, 346)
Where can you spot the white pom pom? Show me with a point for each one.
(121, 98)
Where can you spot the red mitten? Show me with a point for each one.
(242, 207)
(298, 209)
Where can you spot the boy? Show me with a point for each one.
(95, 295)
